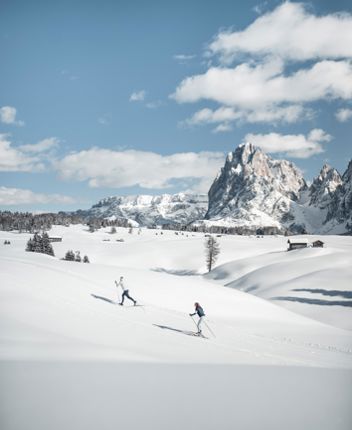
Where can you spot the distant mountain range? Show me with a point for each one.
(251, 192)
(146, 210)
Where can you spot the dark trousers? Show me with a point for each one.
(126, 294)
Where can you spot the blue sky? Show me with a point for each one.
(102, 98)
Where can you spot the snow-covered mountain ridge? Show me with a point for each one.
(251, 192)
(148, 210)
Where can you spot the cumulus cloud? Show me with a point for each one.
(291, 32)
(116, 169)
(296, 146)
(251, 86)
(8, 116)
(14, 160)
(138, 96)
(226, 115)
(42, 146)
(261, 87)
(344, 115)
(19, 196)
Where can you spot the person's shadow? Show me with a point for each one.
(166, 327)
(105, 299)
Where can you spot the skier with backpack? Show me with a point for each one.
(125, 292)
(200, 312)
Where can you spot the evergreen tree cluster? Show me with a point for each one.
(71, 256)
(7, 242)
(216, 229)
(34, 223)
(40, 243)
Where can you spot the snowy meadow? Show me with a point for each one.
(278, 353)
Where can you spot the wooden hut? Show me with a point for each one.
(55, 239)
(296, 244)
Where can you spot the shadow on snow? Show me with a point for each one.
(332, 293)
(165, 327)
(316, 301)
(105, 299)
(176, 272)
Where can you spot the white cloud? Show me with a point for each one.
(297, 146)
(8, 116)
(42, 146)
(14, 160)
(183, 58)
(262, 88)
(251, 86)
(259, 8)
(319, 135)
(291, 32)
(138, 96)
(18, 196)
(225, 127)
(344, 115)
(116, 169)
(226, 115)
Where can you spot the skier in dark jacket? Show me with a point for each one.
(200, 312)
(125, 292)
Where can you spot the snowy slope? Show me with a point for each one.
(95, 364)
(313, 281)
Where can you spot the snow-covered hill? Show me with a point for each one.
(71, 358)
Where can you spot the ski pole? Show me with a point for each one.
(194, 322)
(211, 331)
(118, 295)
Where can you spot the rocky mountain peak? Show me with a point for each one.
(347, 176)
(324, 186)
(250, 181)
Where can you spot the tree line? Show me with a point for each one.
(26, 222)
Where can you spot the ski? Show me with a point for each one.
(199, 335)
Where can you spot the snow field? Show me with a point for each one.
(72, 358)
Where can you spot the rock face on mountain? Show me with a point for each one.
(340, 207)
(254, 190)
(149, 210)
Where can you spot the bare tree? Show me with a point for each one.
(212, 250)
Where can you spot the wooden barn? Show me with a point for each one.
(296, 244)
(318, 244)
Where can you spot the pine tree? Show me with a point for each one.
(37, 243)
(212, 250)
(78, 257)
(113, 230)
(46, 245)
(69, 256)
(86, 259)
(29, 247)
